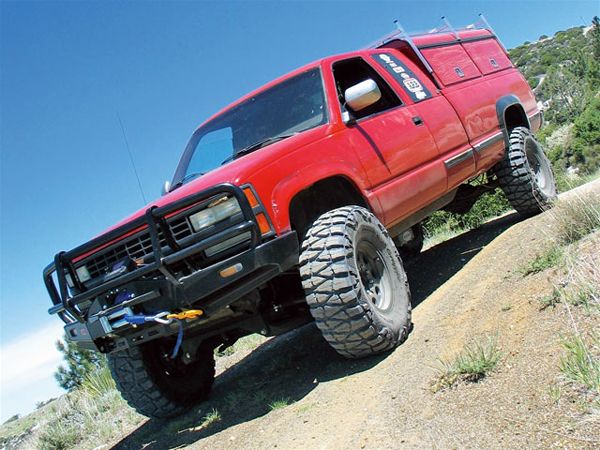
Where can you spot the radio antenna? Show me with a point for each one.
(131, 159)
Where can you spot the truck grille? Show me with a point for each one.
(135, 247)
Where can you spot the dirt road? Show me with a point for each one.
(463, 289)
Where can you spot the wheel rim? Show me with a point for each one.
(374, 275)
(538, 164)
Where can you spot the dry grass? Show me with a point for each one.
(576, 218)
(473, 363)
(576, 225)
(82, 420)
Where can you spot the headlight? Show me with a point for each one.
(220, 210)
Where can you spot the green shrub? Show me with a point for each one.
(488, 206)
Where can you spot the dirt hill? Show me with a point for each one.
(294, 392)
(505, 353)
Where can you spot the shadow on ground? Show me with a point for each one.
(438, 264)
(291, 366)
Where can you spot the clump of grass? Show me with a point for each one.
(98, 382)
(555, 393)
(581, 362)
(576, 218)
(472, 364)
(247, 343)
(552, 299)
(580, 283)
(278, 404)
(62, 436)
(213, 416)
(583, 296)
(552, 257)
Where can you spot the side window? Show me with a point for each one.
(353, 71)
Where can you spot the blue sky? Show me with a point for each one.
(69, 69)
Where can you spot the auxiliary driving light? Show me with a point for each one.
(82, 273)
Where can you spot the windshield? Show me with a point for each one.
(287, 108)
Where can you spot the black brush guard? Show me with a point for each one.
(261, 262)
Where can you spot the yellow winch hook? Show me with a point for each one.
(189, 314)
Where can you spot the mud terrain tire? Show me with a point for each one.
(412, 248)
(355, 283)
(525, 174)
(158, 387)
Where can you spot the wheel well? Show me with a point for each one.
(514, 116)
(321, 197)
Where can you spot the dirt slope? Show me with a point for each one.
(465, 288)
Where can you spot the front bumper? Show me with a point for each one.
(155, 286)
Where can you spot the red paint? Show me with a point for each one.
(399, 167)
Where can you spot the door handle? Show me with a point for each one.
(417, 120)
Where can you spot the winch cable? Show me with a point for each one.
(166, 318)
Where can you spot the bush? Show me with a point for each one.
(488, 206)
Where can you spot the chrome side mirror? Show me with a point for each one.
(361, 95)
(166, 187)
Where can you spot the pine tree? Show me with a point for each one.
(593, 74)
(78, 363)
(595, 31)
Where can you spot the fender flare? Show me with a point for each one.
(502, 105)
(289, 187)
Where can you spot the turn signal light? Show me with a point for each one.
(251, 197)
(263, 223)
(231, 270)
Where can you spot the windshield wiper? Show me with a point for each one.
(188, 177)
(257, 145)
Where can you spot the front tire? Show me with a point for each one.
(157, 386)
(355, 283)
(525, 174)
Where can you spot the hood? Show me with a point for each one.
(237, 172)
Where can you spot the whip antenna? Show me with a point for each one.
(131, 159)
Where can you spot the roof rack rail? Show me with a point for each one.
(446, 27)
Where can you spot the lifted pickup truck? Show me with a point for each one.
(291, 204)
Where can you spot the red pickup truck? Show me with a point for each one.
(291, 204)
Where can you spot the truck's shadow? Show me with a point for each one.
(291, 366)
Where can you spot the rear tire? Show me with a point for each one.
(355, 283)
(158, 387)
(411, 248)
(525, 174)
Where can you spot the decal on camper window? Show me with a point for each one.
(404, 76)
